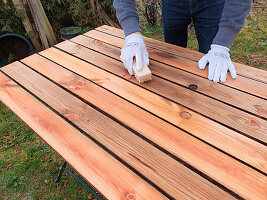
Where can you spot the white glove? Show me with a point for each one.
(134, 47)
(219, 61)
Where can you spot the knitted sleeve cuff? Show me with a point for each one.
(130, 25)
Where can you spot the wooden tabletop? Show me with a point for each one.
(179, 136)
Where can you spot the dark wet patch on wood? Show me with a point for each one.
(164, 54)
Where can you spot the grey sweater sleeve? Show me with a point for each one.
(127, 15)
(233, 19)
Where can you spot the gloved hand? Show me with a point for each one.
(134, 47)
(219, 61)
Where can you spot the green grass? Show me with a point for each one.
(28, 166)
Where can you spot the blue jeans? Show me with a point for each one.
(178, 14)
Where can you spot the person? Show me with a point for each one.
(216, 23)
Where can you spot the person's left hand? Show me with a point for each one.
(219, 61)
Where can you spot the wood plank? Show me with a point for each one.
(221, 92)
(98, 167)
(22, 13)
(241, 83)
(200, 155)
(38, 25)
(250, 125)
(229, 141)
(172, 177)
(242, 70)
(157, 44)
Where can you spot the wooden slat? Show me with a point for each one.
(221, 92)
(229, 141)
(157, 44)
(242, 69)
(241, 83)
(172, 177)
(200, 155)
(99, 168)
(248, 124)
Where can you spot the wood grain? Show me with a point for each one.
(221, 92)
(242, 121)
(241, 83)
(200, 155)
(209, 131)
(172, 177)
(243, 70)
(108, 175)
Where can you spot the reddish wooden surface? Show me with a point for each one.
(97, 166)
(199, 155)
(157, 140)
(201, 127)
(172, 177)
(218, 111)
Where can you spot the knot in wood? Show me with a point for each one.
(71, 117)
(130, 196)
(8, 83)
(127, 76)
(98, 42)
(193, 87)
(254, 122)
(261, 109)
(74, 49)
(185, 115)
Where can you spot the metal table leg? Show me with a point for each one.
(57, 180)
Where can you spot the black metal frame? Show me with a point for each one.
(57, 180)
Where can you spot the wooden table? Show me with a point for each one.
(180, 136)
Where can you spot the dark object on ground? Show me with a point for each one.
(14, 47)
(150, 11)
(70, 32)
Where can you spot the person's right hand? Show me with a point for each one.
(134, 47)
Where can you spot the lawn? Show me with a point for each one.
(28, 166)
